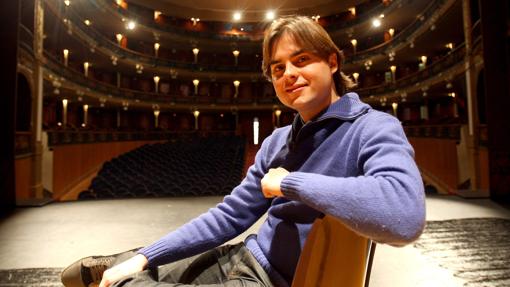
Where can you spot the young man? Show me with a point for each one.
(339, 157)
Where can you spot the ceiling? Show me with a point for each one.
(252, 10)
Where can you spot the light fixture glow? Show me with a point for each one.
(195, 21)
(376, 23)
(131, 25)
(394, 105)
(255, 131)
(119, 38)
(87, 22)
(156, 48)
(270, 15)
(237, 16)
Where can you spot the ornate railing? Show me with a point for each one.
(73, 76)
(65, 137)
(454, 57)
(96, 39)
(407, 33)
(183, 32)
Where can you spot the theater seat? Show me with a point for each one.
(334, 255)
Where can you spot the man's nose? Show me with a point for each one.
(291, 71)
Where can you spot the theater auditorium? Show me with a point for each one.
(122, 120)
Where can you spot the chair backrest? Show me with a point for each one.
(334, 255)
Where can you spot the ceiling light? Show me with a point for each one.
(195, 21)
(157, 14)
(353, 11)
(67, 2)
(131, 25)
(237, 16)
(376, 23)
(87, 22)
(119, 38)
(270, 15)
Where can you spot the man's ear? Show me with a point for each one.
(333, 63)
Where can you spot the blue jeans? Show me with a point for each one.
(229, 265)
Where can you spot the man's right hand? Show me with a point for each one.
(131, 266)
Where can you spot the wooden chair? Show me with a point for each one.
(334, 255)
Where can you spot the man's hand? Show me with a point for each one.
(126, 268)
(271, 182)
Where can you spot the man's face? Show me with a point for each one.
(302, 80)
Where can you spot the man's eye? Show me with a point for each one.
(302, 59)
(277, 69)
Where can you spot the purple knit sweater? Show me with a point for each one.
(351, 162)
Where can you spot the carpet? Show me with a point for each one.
(31, 277)
(476, 250)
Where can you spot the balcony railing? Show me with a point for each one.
(454, 57)
(65, 137)
(73, 76)
(96, 39)
(434, 131)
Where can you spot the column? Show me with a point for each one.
(497, 95)
(9, 19)
(36, 186)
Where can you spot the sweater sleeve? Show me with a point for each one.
(238, 211)
(386, 202)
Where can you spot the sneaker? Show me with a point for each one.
(86, 271)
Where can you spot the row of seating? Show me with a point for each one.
(183, 167)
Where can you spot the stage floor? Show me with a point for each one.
(57, 234)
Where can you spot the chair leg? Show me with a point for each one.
(369, 264)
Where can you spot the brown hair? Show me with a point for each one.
(312, 37)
